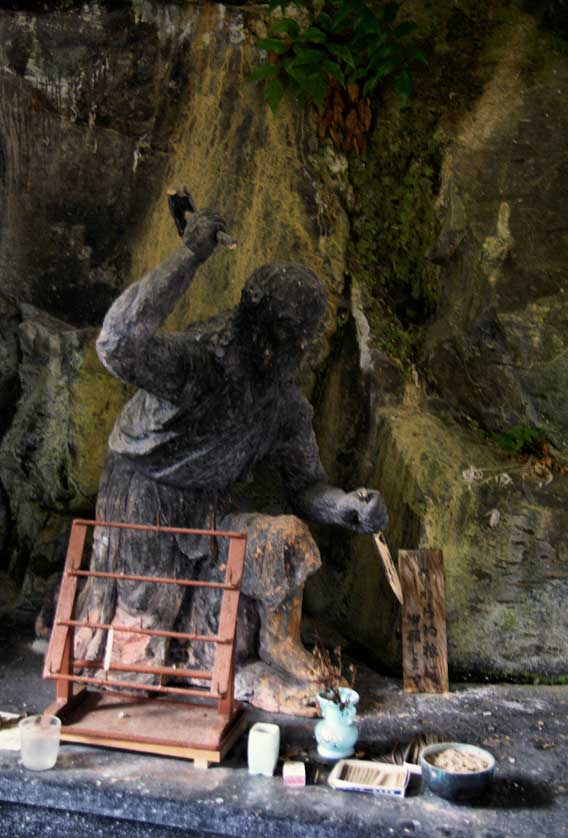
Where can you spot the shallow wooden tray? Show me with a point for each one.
(152, 725)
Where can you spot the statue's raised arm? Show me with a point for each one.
(128, 345)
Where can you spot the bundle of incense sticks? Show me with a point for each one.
(362, 775)
(366, 775)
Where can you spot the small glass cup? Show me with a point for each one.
(39, 741)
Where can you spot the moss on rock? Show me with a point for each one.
(505, 574)
(395, 184)
(95, 400)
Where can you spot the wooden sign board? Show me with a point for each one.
(424, 644)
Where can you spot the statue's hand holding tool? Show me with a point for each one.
(201, 234)
(365, 510)
(201, 230)
(369, 514)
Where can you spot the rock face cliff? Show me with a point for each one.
(497, 353)
(493, 358)
(103, 105)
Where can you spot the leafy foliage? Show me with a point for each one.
(521, 439)
(532, 447)
(343, 53)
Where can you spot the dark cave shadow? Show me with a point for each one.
(514, 792)
(78, 760)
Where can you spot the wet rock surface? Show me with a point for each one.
(501, 526)
(133, 795)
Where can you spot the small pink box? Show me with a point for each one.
(294, 774)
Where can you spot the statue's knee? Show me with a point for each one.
(286, 530)
(281, 554)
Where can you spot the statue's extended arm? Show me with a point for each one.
(128, 345)
(362, 510)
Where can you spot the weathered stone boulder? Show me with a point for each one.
(4, 528)
(9, 360)
(9, 394)
(504, 536)
(78, 112)
(502, 527)
(51, 457)
(262, 172)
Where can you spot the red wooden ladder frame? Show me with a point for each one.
(61, 666)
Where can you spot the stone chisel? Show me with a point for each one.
(181, 205)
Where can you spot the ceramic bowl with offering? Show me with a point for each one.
(457, 771)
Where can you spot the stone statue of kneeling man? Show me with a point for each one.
(212, 402)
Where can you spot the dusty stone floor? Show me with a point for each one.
(99, 792)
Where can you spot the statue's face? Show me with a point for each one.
(284, 342)
(281, 305)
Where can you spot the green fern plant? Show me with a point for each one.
(522, 439)
(344, 44)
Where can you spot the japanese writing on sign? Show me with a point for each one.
(424, 646)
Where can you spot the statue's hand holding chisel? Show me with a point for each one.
(201, 230)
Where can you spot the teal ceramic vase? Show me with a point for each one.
(336, 733)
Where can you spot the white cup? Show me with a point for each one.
(39, 741)
(263, 748)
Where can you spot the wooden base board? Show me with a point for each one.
(155, 726)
